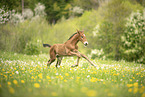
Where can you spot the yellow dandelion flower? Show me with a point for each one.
(91, 93)
(15, 82)
(11, 90)
(129, 85)
(66, 74)
(3, 70)
(32, 77)
(48, 77)
(40, 75)
(115, 74)
(22, 81)
(135, 84)
(78, 77)
(93, 79)
(9, 83)
(130, 80)
(0, 85)
(130, 90)
(5, 76)
(103, 82)
(65, 80)
(54, 94)
(36, 85)
(61, 77)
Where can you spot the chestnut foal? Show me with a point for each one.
(69, 48)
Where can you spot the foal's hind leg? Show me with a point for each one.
(50, 61)
(52, 58)
(58, 61)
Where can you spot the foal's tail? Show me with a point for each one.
(46, 45)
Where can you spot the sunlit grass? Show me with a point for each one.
(28, 76)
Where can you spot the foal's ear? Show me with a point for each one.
(78, 31)
(83, 30)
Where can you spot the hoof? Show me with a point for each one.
(74, 65)
(48, 66)
(94, 65)
(57, 66)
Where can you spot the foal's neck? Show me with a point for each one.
(74, 40)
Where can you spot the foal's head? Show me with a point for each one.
(82, 37)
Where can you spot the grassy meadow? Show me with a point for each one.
(28, 76)
(115, 30)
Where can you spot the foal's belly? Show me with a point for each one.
(60, 50)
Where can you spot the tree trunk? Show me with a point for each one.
(22, 7)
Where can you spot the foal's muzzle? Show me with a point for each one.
(85, 43)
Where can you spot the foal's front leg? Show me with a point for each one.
(77, 62)
(79, 55)
(88, 60)
(76, 53)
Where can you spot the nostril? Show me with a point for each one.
(85, 43)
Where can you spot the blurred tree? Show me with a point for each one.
(86, 4)
(22, 7)
(11, 4)
(17, 4)
(142, 2)
(55, 9)
(76, 11)
(134, 38)
(112, 20)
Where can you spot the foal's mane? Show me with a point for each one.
(72, 35)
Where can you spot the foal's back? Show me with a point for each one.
(59, 49)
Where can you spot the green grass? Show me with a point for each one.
(28, 76)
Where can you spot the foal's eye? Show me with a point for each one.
(81, 36)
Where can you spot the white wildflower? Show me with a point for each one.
(17, 72)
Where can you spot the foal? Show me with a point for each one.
(69, 48)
